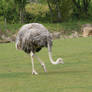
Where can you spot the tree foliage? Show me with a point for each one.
(60, 9)
(81, 7)
(21, 8)
(13, 11)
(7, 10)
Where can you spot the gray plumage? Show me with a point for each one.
(32, 37)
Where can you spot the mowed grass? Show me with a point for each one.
(74, 76)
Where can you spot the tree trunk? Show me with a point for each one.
(86, 4)
(77, 4)
(51, 11)
(21, 16)
(5, 23)
(82, 8)
(58, 12)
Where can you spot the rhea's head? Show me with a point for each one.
(60, 61)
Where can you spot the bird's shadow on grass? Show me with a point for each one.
(29, 74)
(63, 72)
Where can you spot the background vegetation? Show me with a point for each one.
(60, 14)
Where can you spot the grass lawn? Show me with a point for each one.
(74, 76)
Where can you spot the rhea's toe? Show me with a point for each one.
(34, 72)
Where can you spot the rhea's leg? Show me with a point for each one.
(32, 59)
(41, 62)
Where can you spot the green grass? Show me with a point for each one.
(74, 76)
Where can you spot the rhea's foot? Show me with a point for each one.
(34, 72)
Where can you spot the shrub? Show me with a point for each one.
(36, 12)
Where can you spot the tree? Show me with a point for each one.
(21, 8)
(59, 9)
(8, 11)
(81, 7)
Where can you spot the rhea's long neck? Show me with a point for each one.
(50, 55)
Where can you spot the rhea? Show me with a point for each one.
(31, 38)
